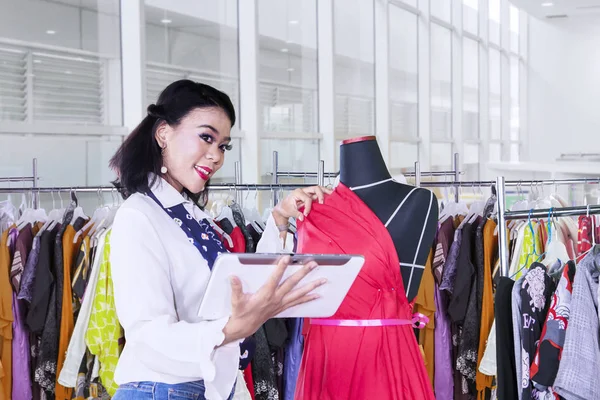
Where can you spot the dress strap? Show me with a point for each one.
(418, 321)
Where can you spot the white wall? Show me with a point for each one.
(564, 87)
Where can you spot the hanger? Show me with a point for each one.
(226, 213)
(100, 213)
(534, 250)
(78, 211)
(555, 249)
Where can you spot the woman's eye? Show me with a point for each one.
(206, 138)
(226, 147)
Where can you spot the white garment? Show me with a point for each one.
(241, 390)
(159, 280)
(76, 349)
(489, 365)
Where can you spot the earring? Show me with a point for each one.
(163, 169)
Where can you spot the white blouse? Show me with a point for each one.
(159, 279)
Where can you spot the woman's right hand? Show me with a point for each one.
(250, 311)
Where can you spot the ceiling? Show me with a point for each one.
(570, 8)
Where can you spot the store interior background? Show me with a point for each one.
(509, 85)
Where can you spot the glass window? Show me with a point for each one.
(288, 81)
(441, 82)
(495, 152)
(404, 155)
(354, 67)
(515, 152)
(495, 117)
(199, 43)
(441, 155)
(470, 89)
(441, 9)
(471, 16)
(60, 65)
(514, 98)
(184, 41)
(494, 21)
(403, 74)
(514, 29)
(288, 65)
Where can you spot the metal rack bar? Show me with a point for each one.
(215, 187)
(456, 176)
(502, 234)
(417, 174)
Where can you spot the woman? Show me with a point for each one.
(162, 249)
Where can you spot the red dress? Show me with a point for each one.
(360, 363)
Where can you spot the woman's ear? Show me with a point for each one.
(162, 134)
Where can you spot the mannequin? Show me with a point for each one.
(410, 214)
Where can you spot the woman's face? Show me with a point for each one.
(195, 149)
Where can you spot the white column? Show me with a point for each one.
(523, 87)
(133, 50)
(484, 88)
(505, 71)
(326, 62)
(109, 46)
(249, 122)
(424, 55)
(382, 92)
(457, 80)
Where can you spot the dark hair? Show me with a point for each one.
(140, 154)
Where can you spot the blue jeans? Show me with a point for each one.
(162, 391)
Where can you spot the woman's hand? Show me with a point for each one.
(299, 198)
(250, 311)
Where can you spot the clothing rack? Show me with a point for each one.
(33, 179)
(504, 215)
(321, 174)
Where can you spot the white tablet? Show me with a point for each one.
(255, 269)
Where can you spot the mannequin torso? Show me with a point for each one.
(410, 214)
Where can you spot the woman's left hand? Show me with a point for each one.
(302, 197)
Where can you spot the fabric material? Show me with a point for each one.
(293, 356)
(536, 293)
(425, 304)
(490, 250)
(45, 369)
(81, 272)
(507, 382)
(27, 279)
(547, 359)
(154, 267)
(584, 234)
(104, 334)
(577, 376)
(22, 249)
(445, 236)
(67, 320)
(368, 365)
(449, 273)
(163, 391)
(6, 316)
(77, 347)
(42, 283)
(199, 233)
(22, 389)
(517, 323)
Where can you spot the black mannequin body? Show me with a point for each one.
(412, 226)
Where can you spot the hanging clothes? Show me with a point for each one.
(577, 376)
(490, 254)
(425, 304)
(6, 313)
(363, 367)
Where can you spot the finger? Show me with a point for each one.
(237, 291)
(307, 205)
(306, 299)
(320, 195)
(275, 278)
(291, 282)
(301, 292)
(326, 190)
